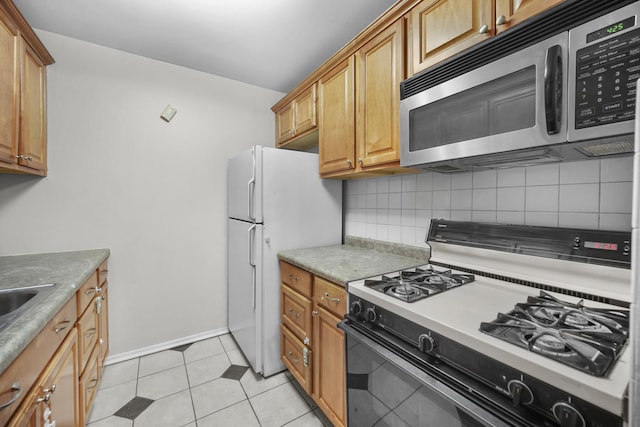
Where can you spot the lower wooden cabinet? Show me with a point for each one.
(312, 346)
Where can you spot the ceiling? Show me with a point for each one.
(273, 44)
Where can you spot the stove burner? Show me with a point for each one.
(412, 285)
(585, 338)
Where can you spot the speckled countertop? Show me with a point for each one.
(68, 270)
(356, 259)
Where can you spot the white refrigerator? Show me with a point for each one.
(276, 201)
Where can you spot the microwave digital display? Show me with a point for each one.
(611, 29)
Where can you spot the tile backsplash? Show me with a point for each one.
(593, 194)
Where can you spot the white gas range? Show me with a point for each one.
(530, 327)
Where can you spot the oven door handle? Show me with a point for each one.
(471, 408)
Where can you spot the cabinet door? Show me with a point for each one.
(336, 118)
(380, 69)
(33, 147)
(329, 366)
(513, 12)
(443, 28)
(305, 111)
(284, 124)
(9, 92)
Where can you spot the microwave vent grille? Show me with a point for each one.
(607, 148)
(561, 18)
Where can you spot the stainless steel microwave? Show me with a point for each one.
(568, 95)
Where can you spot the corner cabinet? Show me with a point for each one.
(359, 108)
(23, 124)
(312, 347)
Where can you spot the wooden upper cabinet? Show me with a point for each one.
(9, 88)
(336, 118)
(297, 119)
(380, 69)
(440, 29)
(513, 12)
(33, 111)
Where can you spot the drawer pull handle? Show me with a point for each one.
(17, 391)
(295, 359)
(91, 291)
(103, 272)
(90, 332)
(62, 326)
(47, 394)
(295, 313)
(296, 278)
(328, 298)
(92, 384)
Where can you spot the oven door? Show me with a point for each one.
(514, 103)
(390, 384)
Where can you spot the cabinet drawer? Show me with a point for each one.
(87, 335)
(293, 356)
(296, 313)
(296, 278)
(102, 273)
(87, 292)
(89, 384)
(330, 296)
(21, 372)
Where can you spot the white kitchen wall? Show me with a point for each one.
(593, 194)
(153, 192)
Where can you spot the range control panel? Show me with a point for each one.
(606, 75)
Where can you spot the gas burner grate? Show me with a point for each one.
(586, 338)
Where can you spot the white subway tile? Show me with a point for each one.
(543, 198)
(616, 222)
(510, 217)
(361, 201)
(383, 184)
(441, 181)
(421, 236)
(461, 215)
(547, 219)
(441, 200)
(441, 214)
(543, 175)
(395, 184)
(409, 235)
(423, 217)
(360, 186)
(372, 200)
(395, 233)
(409, 182)
(382, 216)
(408, 200)
(372, 186)
(485, 179)
(409, 217)
(371, 231)
(579, 198)
(423, 199)
(485, 199)
(511, 199)
(580, 172)
(484, 216)
(461, 199)
(361, 229)
(382, 232)
(372, 215)
(425, 181)
(382, 201)
(616, 169)
(616, 197)
(461, 181)
(578, 220)
(395, 200)
(512, 177)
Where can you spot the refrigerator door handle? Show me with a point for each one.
(251, 187)
(252, 233)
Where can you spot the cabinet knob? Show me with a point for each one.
(501, 20)
(21, 157)
(314, 313)
(348, 162)
(484, 29)
(360, 161)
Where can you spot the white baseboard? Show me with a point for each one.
(116, 358)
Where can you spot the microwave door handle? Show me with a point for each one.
(553, 89)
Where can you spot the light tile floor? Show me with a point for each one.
(204, 384)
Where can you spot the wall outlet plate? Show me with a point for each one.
(168, 113)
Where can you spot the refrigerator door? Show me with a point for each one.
(244, 185)
(244, 284)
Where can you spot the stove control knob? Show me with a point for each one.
(520, 393)
(371, 314)
(356, 307)
(426, 343)
(567, 415)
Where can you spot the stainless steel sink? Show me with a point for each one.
(16, 301)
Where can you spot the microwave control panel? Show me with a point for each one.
(606, 75)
